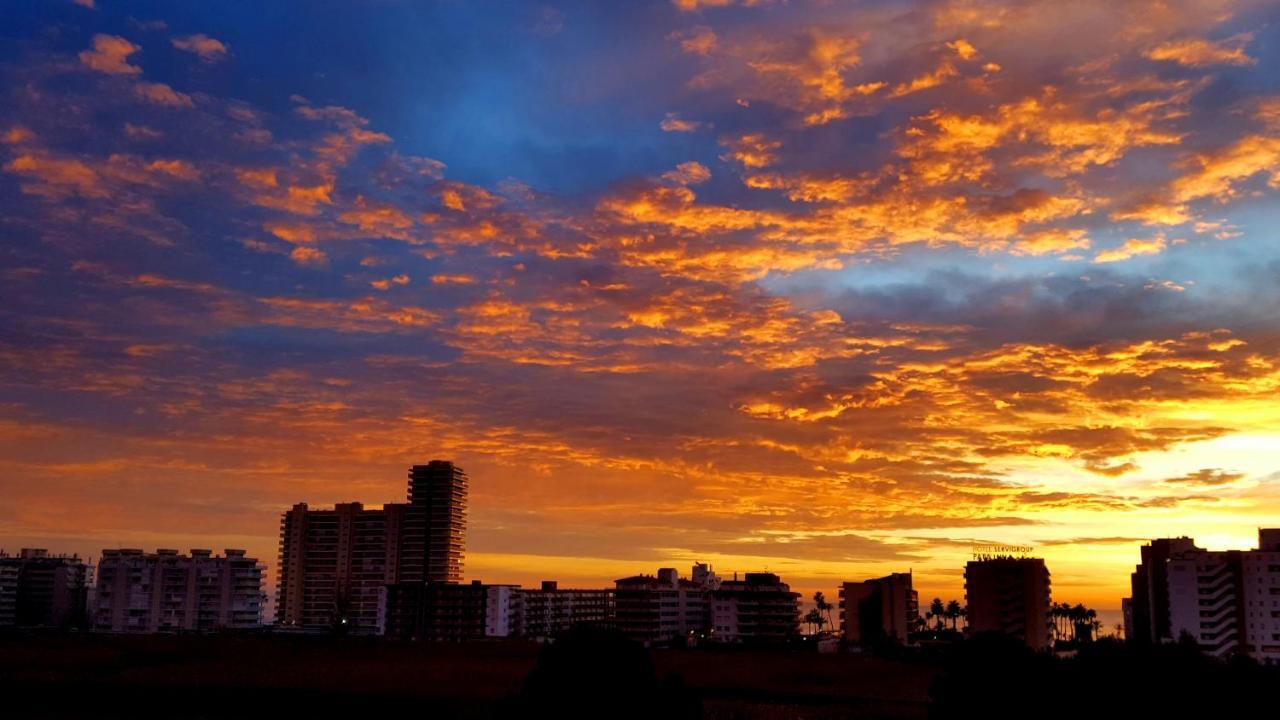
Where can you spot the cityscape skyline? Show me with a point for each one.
(830, 290)
(396, 572)
(397, 547)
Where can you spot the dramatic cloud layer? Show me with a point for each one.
(835, 289)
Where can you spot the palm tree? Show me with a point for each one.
(814, 619)
(936, 611)
(953, 613)
(821, 605)
(1061, 613)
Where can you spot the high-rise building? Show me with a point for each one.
(1009, 595)
(660, 609)
(334, 563)
(1227, 601)
(1149, 584)
(550, 610)
(877, 610)
(758, 609)
(439, 488)
(39, 589)
(164, 591)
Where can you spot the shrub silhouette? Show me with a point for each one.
(591, 672)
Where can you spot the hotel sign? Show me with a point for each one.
(993, 552)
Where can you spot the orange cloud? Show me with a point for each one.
(209, 49)
(674, 123)
(691, 5)
(304, 255)
(963, 48)
(688, 173)
(1133, 247)
(55, 177)
(452, 279)
(1217, 173)
(180, 169)
(161, 94)
(110, 54)
(809, 74)
(386, 284)
(753, 150)
(700, 40)
(1198, 52)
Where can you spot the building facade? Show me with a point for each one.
(8, 595)
(550, 610)
(1149, 585)
(435, 611)
(439, 488)
(164, 591)
(757, 609)
(1228, 602)
(335, 563)
(878, 610)
(1009, 595)
(39, 589)
(662, 608)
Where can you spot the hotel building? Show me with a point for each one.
(1009, 595)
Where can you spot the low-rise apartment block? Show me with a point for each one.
(43, 590)
(164, 591)
(757, 609)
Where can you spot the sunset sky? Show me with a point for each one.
(828, 288)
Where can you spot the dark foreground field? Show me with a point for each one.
(185, 677)
(599, 674)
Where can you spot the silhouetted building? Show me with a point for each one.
(660, 609)
(1227, 601)
(8, 595)
(446, 611)
(1009, 595)
(439, 488)
(705, 576)
(335, 563)
(550, 610)
(38, 589)
(758, 609)
(1149, 584)
(877, 610)
(163, 591)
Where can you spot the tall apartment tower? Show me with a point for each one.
(439, 488)
(1009, 595)
(335, 563)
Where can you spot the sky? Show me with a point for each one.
(832, 289)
